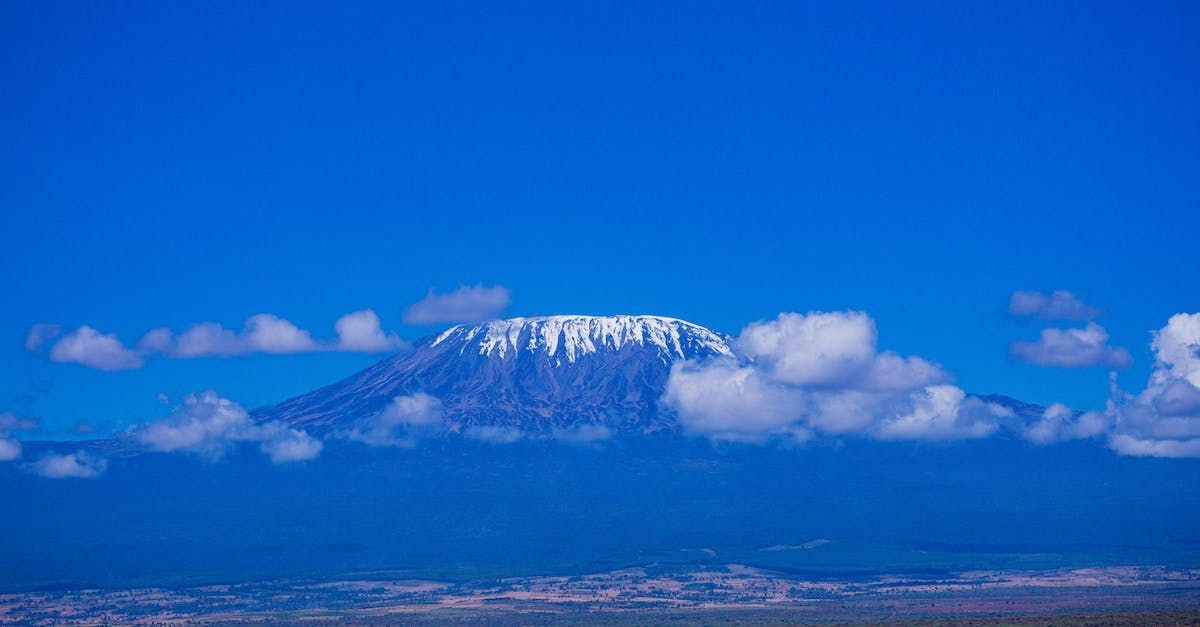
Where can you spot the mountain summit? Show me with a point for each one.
(539, 375)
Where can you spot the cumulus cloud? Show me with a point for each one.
(267, 333)
(1059, 422)
(208, 425)
(359, 331)
(10, 449)
(730, 401)
(1177, 348)
(362, 332)
(1163, 420)
(262, 333)
(821, 372)
(404, 419)
(284, 445)
(1072, 348)
(941, 412)
(201, 340)
(813, 349)
(466, 304)
(156, 341)
(1126, 444)
(77, 465)
(88, 347)
(39, 334)
(1057, 305)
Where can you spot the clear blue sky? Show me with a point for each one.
(167, 164)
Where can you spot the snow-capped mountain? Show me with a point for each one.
(538, 375)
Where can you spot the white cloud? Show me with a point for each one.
(890, 371)
(290, 445)
(262, 333)
(494, 434)
(266, 333)
(1059, 422)
(401, 422)
(361, 332)
(1142, 447)
(1176, 397)
(39, 334)
(1057, 305)
(205, 424)
(88, 347)
(77, 465)
(9, 422)
(1163, 420)
(940, 412)
(156, 341)
(822, 373)
(466, 304)
(1072, 348)
(205, 339)
(1177, 347)
(814, 349)
(583, 434)
(729, 401)
(10, 449)
(209, 426)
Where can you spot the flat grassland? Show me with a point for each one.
(711, 595)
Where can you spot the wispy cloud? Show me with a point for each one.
(1072, 348)
(209, 426)
(1057, 305)
(583, 434)
(940, 412)
(10, 449)
(404, 420)
(1059, 423)
(494, 434)
(10, 422)
(466, 304)
(39, 334)
(1134, 446)
(78, 465)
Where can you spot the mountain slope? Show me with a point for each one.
(535, 374)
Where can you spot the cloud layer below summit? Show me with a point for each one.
(821, 373)
(796, 377)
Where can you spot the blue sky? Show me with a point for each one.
(168, 165)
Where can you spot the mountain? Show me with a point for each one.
(540, 375)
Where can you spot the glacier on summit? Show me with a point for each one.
(575, 336)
